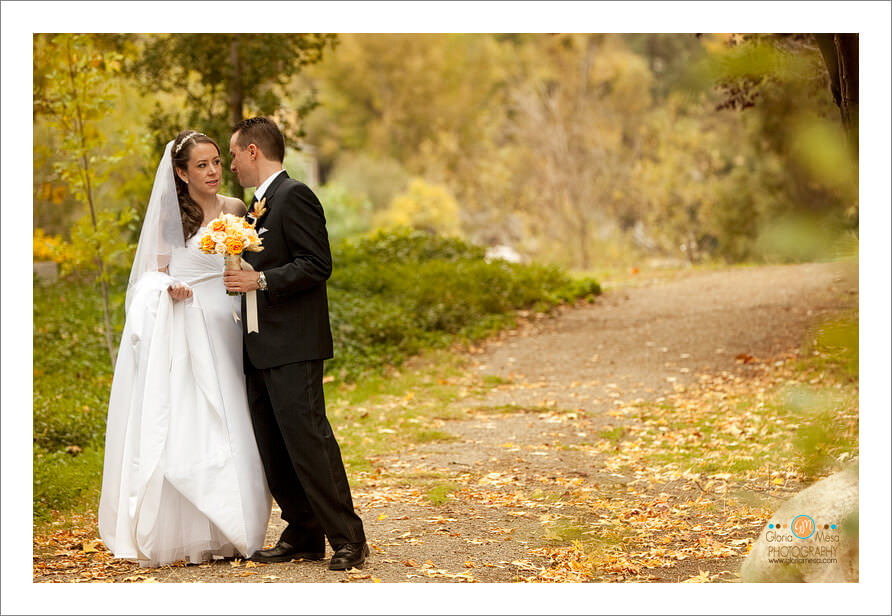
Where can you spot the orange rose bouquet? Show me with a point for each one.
(229, 236)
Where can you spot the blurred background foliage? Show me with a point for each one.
(578, 150)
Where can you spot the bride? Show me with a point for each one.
(182, 478)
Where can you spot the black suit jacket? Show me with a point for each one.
(296, 260)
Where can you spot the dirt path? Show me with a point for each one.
(521, 468)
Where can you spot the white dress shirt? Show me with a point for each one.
(262, 188)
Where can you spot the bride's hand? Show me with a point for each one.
(179, 291)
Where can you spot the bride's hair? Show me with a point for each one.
(190, 212)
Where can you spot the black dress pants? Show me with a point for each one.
(301, 457)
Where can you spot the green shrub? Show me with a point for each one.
(393, 293)
(402, 245)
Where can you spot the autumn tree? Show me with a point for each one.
(223, 77)
(397, 96)
(782, 84)
(72, 93)
(565, 146)
(576, 110)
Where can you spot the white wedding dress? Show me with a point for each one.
(182, 478)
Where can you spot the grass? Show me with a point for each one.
(430, 436)
(395, 411)
(565, 531)
(509, 409)
(614, 435)
(439, 494)
(800, 418)
(69, 481)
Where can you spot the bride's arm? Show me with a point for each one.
(178, 291)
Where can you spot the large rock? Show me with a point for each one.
(813, 537)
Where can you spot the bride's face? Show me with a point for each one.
(205, 169)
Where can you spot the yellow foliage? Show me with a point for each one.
(627, 75)
(54, 193)
(49, 247)
(423, 206)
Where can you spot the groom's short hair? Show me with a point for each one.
(263, 133)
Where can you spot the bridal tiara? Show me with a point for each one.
(185, 139)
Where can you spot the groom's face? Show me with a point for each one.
(244, 162)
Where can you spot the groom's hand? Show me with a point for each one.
(240, 281)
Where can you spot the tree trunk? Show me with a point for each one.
(88, 190)
(840, 53)
(236, 101)
(847, 52)
(583, 245)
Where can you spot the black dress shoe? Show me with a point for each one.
(349, 555)
(284, 551)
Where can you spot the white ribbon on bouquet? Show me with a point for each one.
(250, 305)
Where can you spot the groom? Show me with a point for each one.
(283, 361)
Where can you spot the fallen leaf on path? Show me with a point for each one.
(90, 546)
(701, 578)
(525, 565)
(140, 578)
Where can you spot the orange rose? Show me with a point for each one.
(207, 244)
(234, 245)
(218, 224)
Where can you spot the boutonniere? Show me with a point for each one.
(259, 210)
